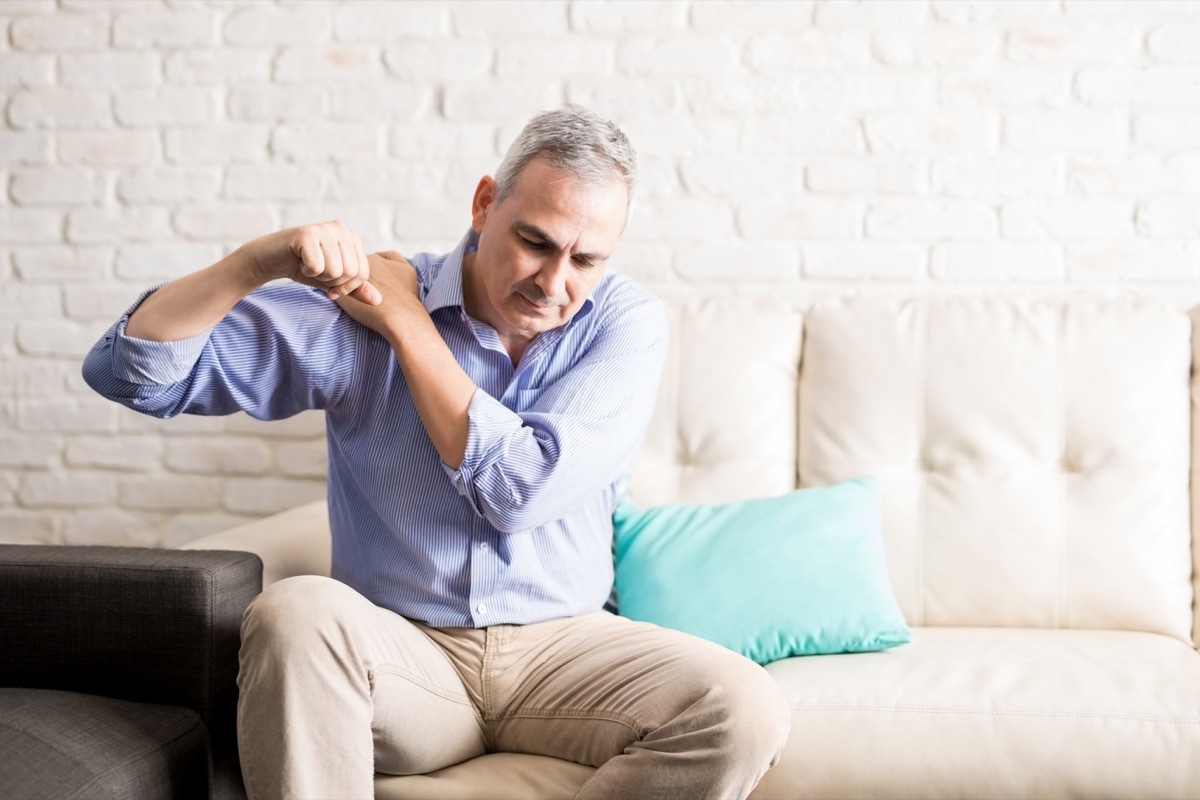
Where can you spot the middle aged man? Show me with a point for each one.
(480, 408)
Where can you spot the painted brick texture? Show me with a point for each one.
(792, 149)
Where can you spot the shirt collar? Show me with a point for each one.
(446, 288)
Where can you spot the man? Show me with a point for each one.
(480, 408)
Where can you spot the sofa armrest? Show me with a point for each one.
(292, 542)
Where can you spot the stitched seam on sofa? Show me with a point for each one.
(152, 752)
(412, 677)
(1006, 712)
(577, 713)
(1062, 616)
(923, 443)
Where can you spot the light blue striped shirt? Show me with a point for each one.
(522, 531)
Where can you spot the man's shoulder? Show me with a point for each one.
(620, 296)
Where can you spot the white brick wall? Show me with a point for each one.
(793, 149)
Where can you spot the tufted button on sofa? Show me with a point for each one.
(1035, 459)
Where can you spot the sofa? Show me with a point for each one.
(1034, 458)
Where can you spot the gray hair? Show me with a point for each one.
(577, 140)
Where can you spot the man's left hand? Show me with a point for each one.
(396, 281)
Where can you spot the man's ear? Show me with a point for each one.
(481, 204)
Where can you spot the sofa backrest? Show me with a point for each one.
(1033, 455)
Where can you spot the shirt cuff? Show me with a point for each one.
(489, 424)
(148, 363)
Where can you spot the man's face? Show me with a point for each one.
(541, 249)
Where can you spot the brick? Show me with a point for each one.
(648, 263)
(495, 99)
(738, 176)
(801, 218)
(62, 263)
(863, 260)
(58, 338)
(658, 178)
(108, 148)
(962, 11)
(395, 180)
(1060, 40)
(59, 32)
(866, 175)
(369, 220)
(680, 135)
(166, 106)
(215, 67)
(677, 56)
(268, 103)
(1011, 86)
(1151, 86)
(1118, 174)
(435, 139)
(217, 144)
(936, 47)
(628, 16)
(748, 97)
(568, 58)
(184, 528)
(166, 29)
(1167, 129)
(273, 182)
(1133, 260)
(930, 219)
(869, 90)
(150, 263)
(998, 176)
(107, 5)
(92, 301)
(267, 25)
(109, 526)
(27, 71)
(218, 455)
(332, 62)
(303, 459)
(620, 100)
(59, 108)
(109, 70)
(739, 261)
(681, 219)
(303, 425)
(812, 49)
(183, 425)
(28, 527)
(382, 101)
(338, 141)
(125, 453)
(112, 225)
(227, 222)
(1176, 42)
(56, 186)
(168, 184)
(1169, 215)
(26, 148)
(871, 13)
(505, 20)
(802, 134)
(29, 225)
(998, 262)
(270, 495)
(727, 16)
(1066, 130)
(32, 452)
(75, 489)
(440, 60)
(430, 220)
(28, 301)
(1131, 9)
(8, 492)
(30, 377)
(387, 21)
(169, 492)
(1067, 218)
(29, 6)
(942, 132)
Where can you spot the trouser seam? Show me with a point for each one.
(412, 677)
(579, 713)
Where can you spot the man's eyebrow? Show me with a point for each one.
(531, 231)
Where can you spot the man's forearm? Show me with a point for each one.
(194, 303)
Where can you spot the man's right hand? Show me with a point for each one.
(327, 255)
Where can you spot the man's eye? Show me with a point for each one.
(532, 245)
(583, 263)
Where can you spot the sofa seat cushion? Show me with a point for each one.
(497, 776)
(994, 713)
(64, 745)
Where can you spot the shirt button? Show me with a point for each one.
(481, 608)
(483, 546)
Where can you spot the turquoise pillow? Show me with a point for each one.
(800, 574)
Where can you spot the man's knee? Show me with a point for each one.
(755, 717)
(297, 610)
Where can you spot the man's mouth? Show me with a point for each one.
(537, 308)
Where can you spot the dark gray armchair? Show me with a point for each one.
(118, 670)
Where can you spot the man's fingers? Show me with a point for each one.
(312, 259)
(333, 261)
(367, 293)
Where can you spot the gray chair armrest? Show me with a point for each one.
(156, 626)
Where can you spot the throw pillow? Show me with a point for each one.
(799, 574)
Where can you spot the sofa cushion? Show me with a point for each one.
(799, 574)
(61, 745)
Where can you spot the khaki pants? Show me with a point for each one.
(335, 689)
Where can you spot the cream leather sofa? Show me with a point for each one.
(1035, 460)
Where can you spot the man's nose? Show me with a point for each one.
(552, 277)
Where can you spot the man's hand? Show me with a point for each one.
(328, 256)
(396, 283)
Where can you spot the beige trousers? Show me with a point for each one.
(335, 689)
